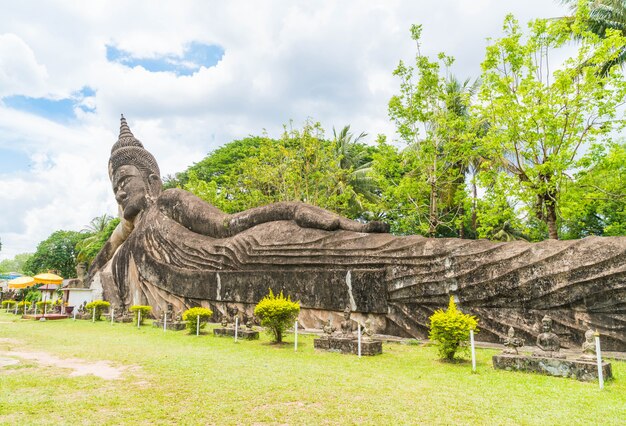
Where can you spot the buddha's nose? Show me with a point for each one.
(120, 196)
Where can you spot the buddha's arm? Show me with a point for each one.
(197, 215)
(193, 213)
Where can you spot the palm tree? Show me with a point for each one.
(604, 15)
(86, 247)
(352, 156)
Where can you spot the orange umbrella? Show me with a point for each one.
(21, 282)
(48, 279)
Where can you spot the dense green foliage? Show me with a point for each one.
(145, 312)
(16, 264)
(277, 313)
(191, 316)
(8, 304)
(42, 303)
(57, 252)
(99, 306)
(450, 330)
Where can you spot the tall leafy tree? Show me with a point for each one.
(57, 252)
(96, 235)
(540, 118)
(601, 17)
(431, 117)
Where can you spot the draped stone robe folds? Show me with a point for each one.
(395, 281)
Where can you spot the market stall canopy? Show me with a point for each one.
(48, 279)
(22, 282)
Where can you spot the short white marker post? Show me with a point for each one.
(295, 343)
(236, 327)
(473, 350)
(164, 322)
(599, 359)
(138, 319)
(93, 317)
(359, 339)
(74, 310)
(198, 325)
(35, 310)
(16, 308)
(112, 315)
(45, 308)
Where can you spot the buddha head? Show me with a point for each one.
(134, 174)
(546, 324)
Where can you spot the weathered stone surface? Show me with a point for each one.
(172, 247)
(580, 370)
(348, 345)
(241, 334)
(171, 325)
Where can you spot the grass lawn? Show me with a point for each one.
(174, 378)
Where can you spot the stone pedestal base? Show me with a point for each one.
(580, 370)
(241, 334)
(348, 345)
(171, 325)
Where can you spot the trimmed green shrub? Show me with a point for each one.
(41, 303)
(277, 313)
(20, 306)
(8, 304)
(191, 316)
(99, 305)
(450, 330)
(145, 312)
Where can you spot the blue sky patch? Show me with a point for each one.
(12, 161)
(60, 110)
(195, 56)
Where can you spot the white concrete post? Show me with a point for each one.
(138, 319)
(112, 315)
(93, 317)
(295, 343)
(16, 307)
(74, 311)
(236, 327)
(473, 351)
(35, 310)
(599, 360)
(198, 325)
(164, 321)
(359, 339)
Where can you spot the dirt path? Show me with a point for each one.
(78, 367)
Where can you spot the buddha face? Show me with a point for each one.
(131, 190)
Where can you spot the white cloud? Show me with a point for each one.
(283, 60)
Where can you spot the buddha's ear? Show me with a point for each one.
(154, 181)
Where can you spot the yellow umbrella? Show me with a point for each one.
(48, 279)
(21, 282)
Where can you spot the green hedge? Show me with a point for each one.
(450, 330)
(145, 312)
(191, 316)
(277, 313)
(99, 305)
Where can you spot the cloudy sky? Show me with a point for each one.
(191, 76)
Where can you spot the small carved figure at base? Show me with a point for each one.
(511, 343)
(346, 324)
(327, 328)
(248, 320)
(548, 343)
(589, 347)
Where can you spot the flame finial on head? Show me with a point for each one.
(130, 151)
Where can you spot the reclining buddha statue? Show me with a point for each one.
(172, 247)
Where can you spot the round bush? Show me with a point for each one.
(41, 304)
(20, 306)
(450, 330)
(191, 316)
(8, 304)
(99, 306)
(277, 313)
(145, 312)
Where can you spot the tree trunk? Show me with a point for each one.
(551, 219)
